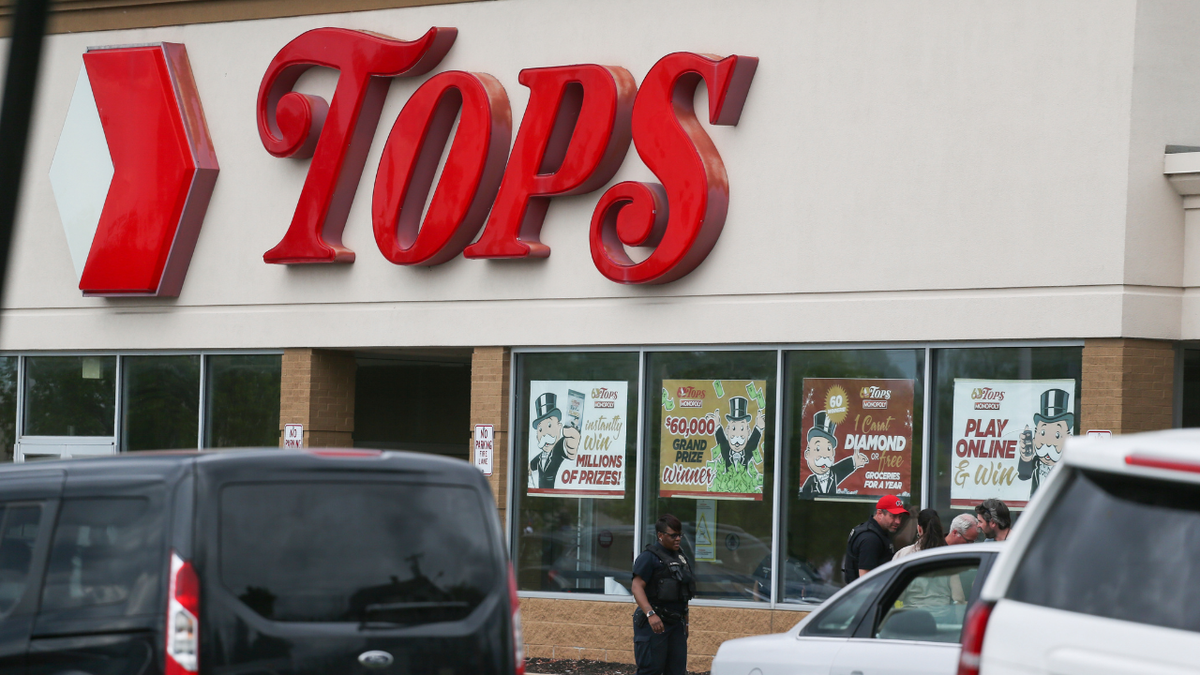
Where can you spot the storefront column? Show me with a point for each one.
(1128, 385)
(489, 405)
(317, 391)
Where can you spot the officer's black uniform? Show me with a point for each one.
(668, 587)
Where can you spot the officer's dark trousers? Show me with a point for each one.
(662, 653)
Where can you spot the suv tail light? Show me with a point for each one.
(1140, 459)
(972, 638)
(183, 618)
(518, 638)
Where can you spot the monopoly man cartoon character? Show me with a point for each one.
(820, 453)
(557, 442)
(1042, 448)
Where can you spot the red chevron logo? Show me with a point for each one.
(134, 170)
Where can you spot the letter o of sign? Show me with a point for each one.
(470, 177)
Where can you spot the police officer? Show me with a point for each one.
(662, 585)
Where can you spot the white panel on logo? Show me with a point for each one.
(81, 172)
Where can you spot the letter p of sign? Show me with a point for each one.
(572, 140)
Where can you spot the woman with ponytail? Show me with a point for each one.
(929, 534)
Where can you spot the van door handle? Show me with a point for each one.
(856, 672)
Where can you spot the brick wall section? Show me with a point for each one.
(489, 405)
(317, 390)
(581, 629)
(1128, 385)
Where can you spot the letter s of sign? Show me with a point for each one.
(469, 179)
(336, 135)
(683, 221)
(573, 137)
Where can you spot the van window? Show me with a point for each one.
(1118, 547)
(386, 553)
(16, 551)
(107, 557)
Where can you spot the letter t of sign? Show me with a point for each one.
(338, 135)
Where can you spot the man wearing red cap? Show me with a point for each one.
(869, 545)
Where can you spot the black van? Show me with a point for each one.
(254, 562)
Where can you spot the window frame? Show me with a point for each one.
(117, 439)
(642, 450)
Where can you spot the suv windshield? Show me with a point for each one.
(388, 553)
(1118, 547)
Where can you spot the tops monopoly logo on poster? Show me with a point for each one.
(573, 137)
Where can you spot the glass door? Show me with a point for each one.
(70, 405)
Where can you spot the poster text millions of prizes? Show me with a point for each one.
(577, 433)
(713, 439)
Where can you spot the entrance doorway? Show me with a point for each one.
(418, 401)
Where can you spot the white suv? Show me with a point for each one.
(1102, 574)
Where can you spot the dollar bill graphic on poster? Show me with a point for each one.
(577, 432)
(1008, 437)
(713, 439)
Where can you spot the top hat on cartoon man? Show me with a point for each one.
(546, 406)
(1055, 408)
(738, 409)
(823, 427)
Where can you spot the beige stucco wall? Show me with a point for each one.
(902, 171)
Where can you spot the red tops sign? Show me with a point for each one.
(575, 133)
(572, 140)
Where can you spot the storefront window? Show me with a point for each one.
(160, 402)
(8, 407)
(575, 439)
(1000, 418)
(242, 400)
(70, 395)
(710, 461)
(853, 431)
(1190, 413)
